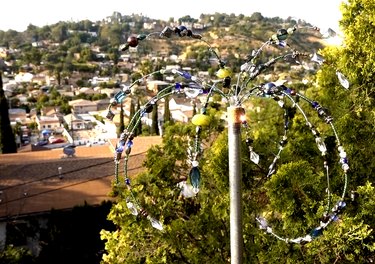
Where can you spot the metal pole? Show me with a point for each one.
(234, 145)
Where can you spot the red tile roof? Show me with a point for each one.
(30, 183)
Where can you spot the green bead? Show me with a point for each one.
(141, 36)
(195, 177)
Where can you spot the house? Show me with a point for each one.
(86, 90)
(17, 115)
(109, 92)
(75, 122)
(48, 122)
(23, 77)
(181, 109)
(82, 106)
(102, 104)
(156, 85)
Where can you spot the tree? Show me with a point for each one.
(138, 129)
(121, 126)
(7, 139)
(167, 112)
(155, 120)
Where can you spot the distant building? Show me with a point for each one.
(48, 122)
(157, 85)
(82, 106)
(17, 115)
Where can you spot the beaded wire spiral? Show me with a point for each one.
(236, 96)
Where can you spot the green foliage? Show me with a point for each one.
(16, 255)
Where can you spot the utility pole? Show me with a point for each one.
(235, 192)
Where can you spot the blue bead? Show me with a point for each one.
(129, 144)
(119, 149)
(120, 96)
(182, 28)
(178, 86)
(341, 204)
(316, 232)
(314, 104)
(127, 181)
(186, 75)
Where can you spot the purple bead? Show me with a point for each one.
(120, 149)
(178, 86)
(127, 181)
(182, 28)
(314, 104)
(129, 144)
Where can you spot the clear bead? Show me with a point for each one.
(254, 157)
(132, 208)
(342, 79)
(345, 167)
(321, 145)
(155, 223)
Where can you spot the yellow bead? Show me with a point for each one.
(223, 73)
(200, 120)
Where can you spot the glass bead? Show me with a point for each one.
(345, 167)
(187, 190)
(127, 181)
(141, 36)
(314, 104)
(132, 41)
(129, 144)
(120, 96)
(317, 58)
(110, 115)
(191, 93)
(291, 30)
(342, 79)
(148, 108)
(132, 208)
(321, 146)
(254, 157)
(128, 150)
(263, 222)
(155, 223)
(119, 148)
(195, 177)
(316, 232)
(200, 120)
(282, 34)
(178, 86)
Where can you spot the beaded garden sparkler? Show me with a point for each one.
(237, 95)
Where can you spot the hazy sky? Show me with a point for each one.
(17, 15)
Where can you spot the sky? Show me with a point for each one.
(17, 15)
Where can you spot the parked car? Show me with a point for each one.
(41, 143)
(57, 140)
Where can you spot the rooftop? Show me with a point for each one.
(30, 181)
